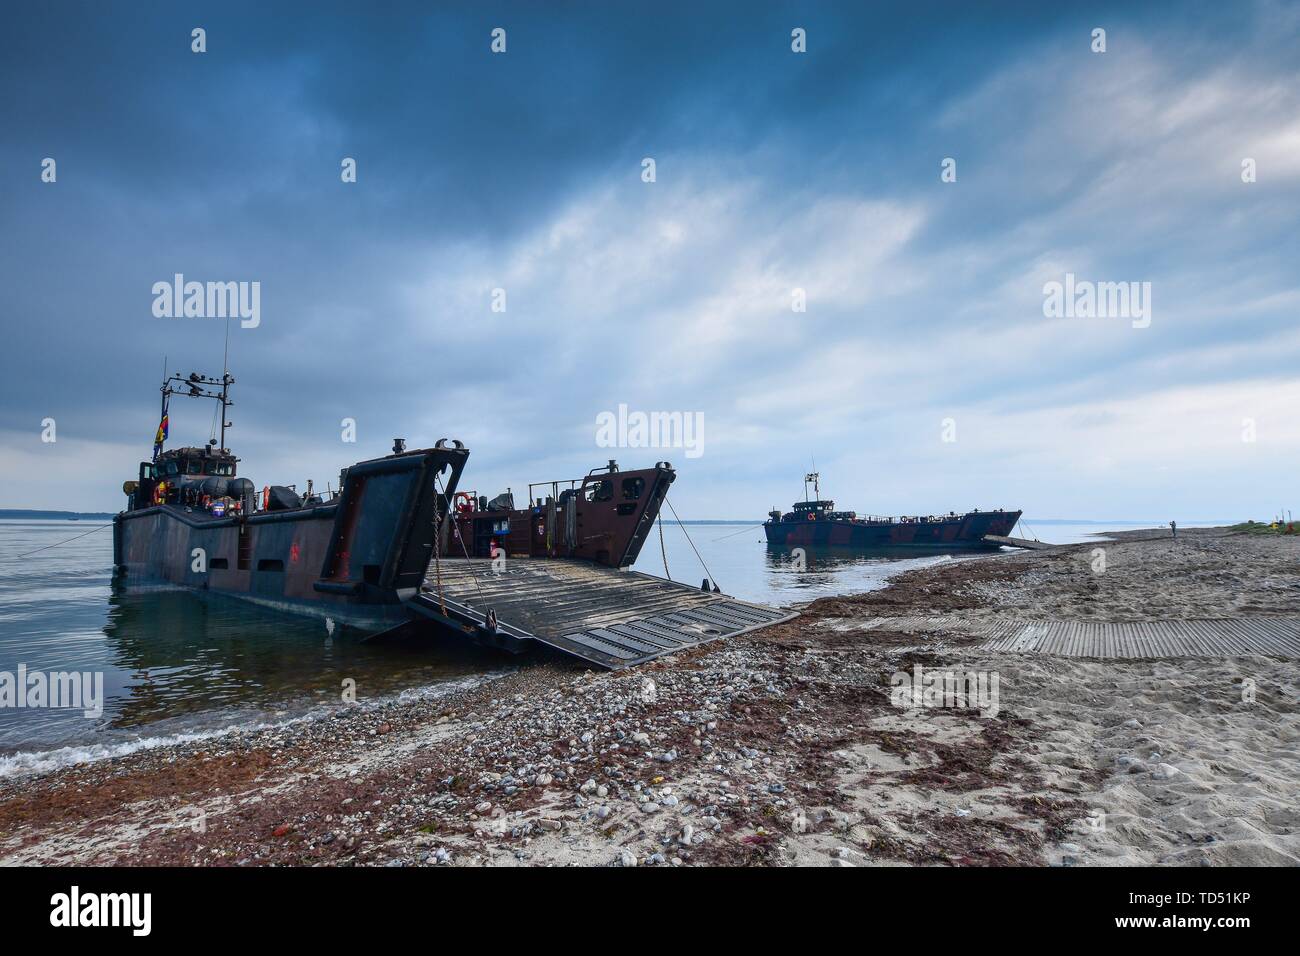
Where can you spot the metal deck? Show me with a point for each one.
(603, 616)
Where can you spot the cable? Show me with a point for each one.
(662, 549)
(690, 542)
(437, 481)
(437, 551)
(741, 531)
(65, 541)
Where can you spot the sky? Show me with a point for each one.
(922, 375)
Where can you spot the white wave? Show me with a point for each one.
(23, 764)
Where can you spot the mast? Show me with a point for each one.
(815, 479)
(226, 379)
(162, 417)
(195, 385)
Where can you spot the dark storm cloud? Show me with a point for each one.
(522, 171)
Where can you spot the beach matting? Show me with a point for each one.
(1223, 637)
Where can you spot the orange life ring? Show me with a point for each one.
(266, 496)
(159, 492)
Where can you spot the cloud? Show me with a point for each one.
(924, 299)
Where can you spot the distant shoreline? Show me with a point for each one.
(23, 513)
(10, 514)
(1106, 522)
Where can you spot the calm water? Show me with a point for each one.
(176, 664)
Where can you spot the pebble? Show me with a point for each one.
(626, 858)
(649, 807)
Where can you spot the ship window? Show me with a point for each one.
(627, 508)
(270, 564)
(632, 488)
(602, 490)
(195, 467)
(172, 468)
(219, 564)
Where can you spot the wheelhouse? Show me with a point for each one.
(196, 462)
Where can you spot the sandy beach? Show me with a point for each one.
(791, 745)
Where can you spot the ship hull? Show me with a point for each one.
(965, 532)
(356, 559)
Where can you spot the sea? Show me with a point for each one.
(177, 666)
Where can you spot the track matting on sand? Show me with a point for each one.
(1223, 637)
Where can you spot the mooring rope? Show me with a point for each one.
(690, 542)
(437, 550)
(437, 480)
(662, 550)
(1022, 523)
(741, 531)
(65, 541)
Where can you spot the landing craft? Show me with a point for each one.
(814, 521)
(399, 544)
(356, 553)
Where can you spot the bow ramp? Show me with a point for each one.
(600, 615)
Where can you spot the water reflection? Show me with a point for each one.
(805, 573)
(184, 653)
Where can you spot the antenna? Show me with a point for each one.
(226, 380)
(812, 478)
(195, 385)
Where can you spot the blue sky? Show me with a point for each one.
(774, 171)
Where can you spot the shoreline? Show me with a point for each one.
(779, 747)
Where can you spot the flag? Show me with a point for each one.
(161, 436)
